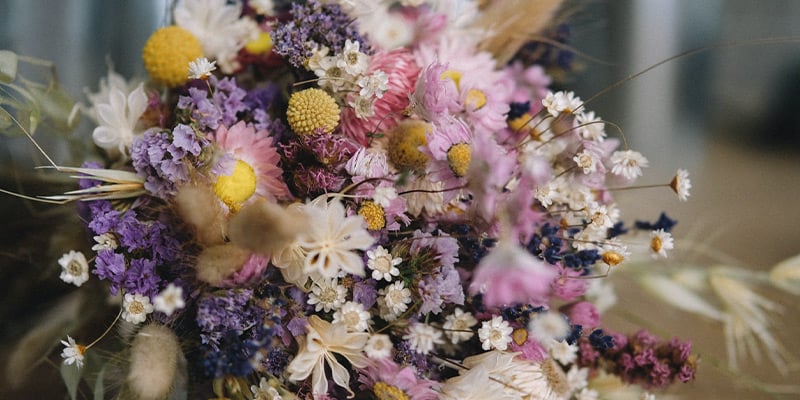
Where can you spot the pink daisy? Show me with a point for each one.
(256, 149)
(387, 372)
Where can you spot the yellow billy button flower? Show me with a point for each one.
(236, 188)
(403, 145)
(373, 214)
(167, 53)
(458, 158)
(260, 45)
(384, 391)
(312, 109)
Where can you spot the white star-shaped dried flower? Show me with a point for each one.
(378, 346)
(106, 241)
(323, 342)
(74, 268)
(458, 326)
(201, 68)
(559, 102)
(352, 60)
(73, 352)
(169, 300)
(135, 308)
(329, 243)
(352, 315)
(327, 295)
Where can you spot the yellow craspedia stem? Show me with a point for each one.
(384, 391)
(404, 142)
(236, 188)
(458, 158)
(374, 214)
(260, 45)
(167, 55)
(312, 109)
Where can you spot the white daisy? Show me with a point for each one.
(378, 346)
(495, 334)
(374, 84)
(593, 128)
(363, 106)
(383, 265)
(660, 242)
(135, 308)
(201, 68)
(74, 268)
(458, 326)
(395, 297)
(73, 352)
(559, 102)
(681, 184)
(628, 163)
(329, 242)
(422, 337)
(169, 300)
(117, 117)
(327, 295)
(353, 315)
(587, 160)
(352, 60)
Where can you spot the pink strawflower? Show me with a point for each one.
(491, 168)
(388, 372)
(510, 275)
(435, 94)
(484, 108)
(242, 142)
(402, 71)
(582, 313)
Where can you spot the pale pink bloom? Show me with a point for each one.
(404, 378)
(582, 313)
(511, 275)
(435, 94)
(242, 142)
(251, 270)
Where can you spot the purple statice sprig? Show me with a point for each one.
(314, 25)
(163, 158)
(224, 107)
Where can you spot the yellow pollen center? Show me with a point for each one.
(74, 268)
(136, 307)
(476, 99)
(612, 258)
(655, 244)
(520, 336)
(384, 391)
(458, 157)
(260, 45)
(455, 76)
(236, 188)
(403, 145)
(373, 214)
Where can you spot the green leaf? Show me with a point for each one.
(71, 375)
(8, 66)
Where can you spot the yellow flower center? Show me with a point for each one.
(136, 307)
(612, 258)
(236, 188)
(475, 99)
(520, 336)
(260, 45)
(374, 214)
(404, 143)
(384, 391)
(74, 268)
(312, 109)
(167, 55)
(656, 244)
(454, 75)
(458, 157)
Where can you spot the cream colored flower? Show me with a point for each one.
(117, 117)
(319, 347)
